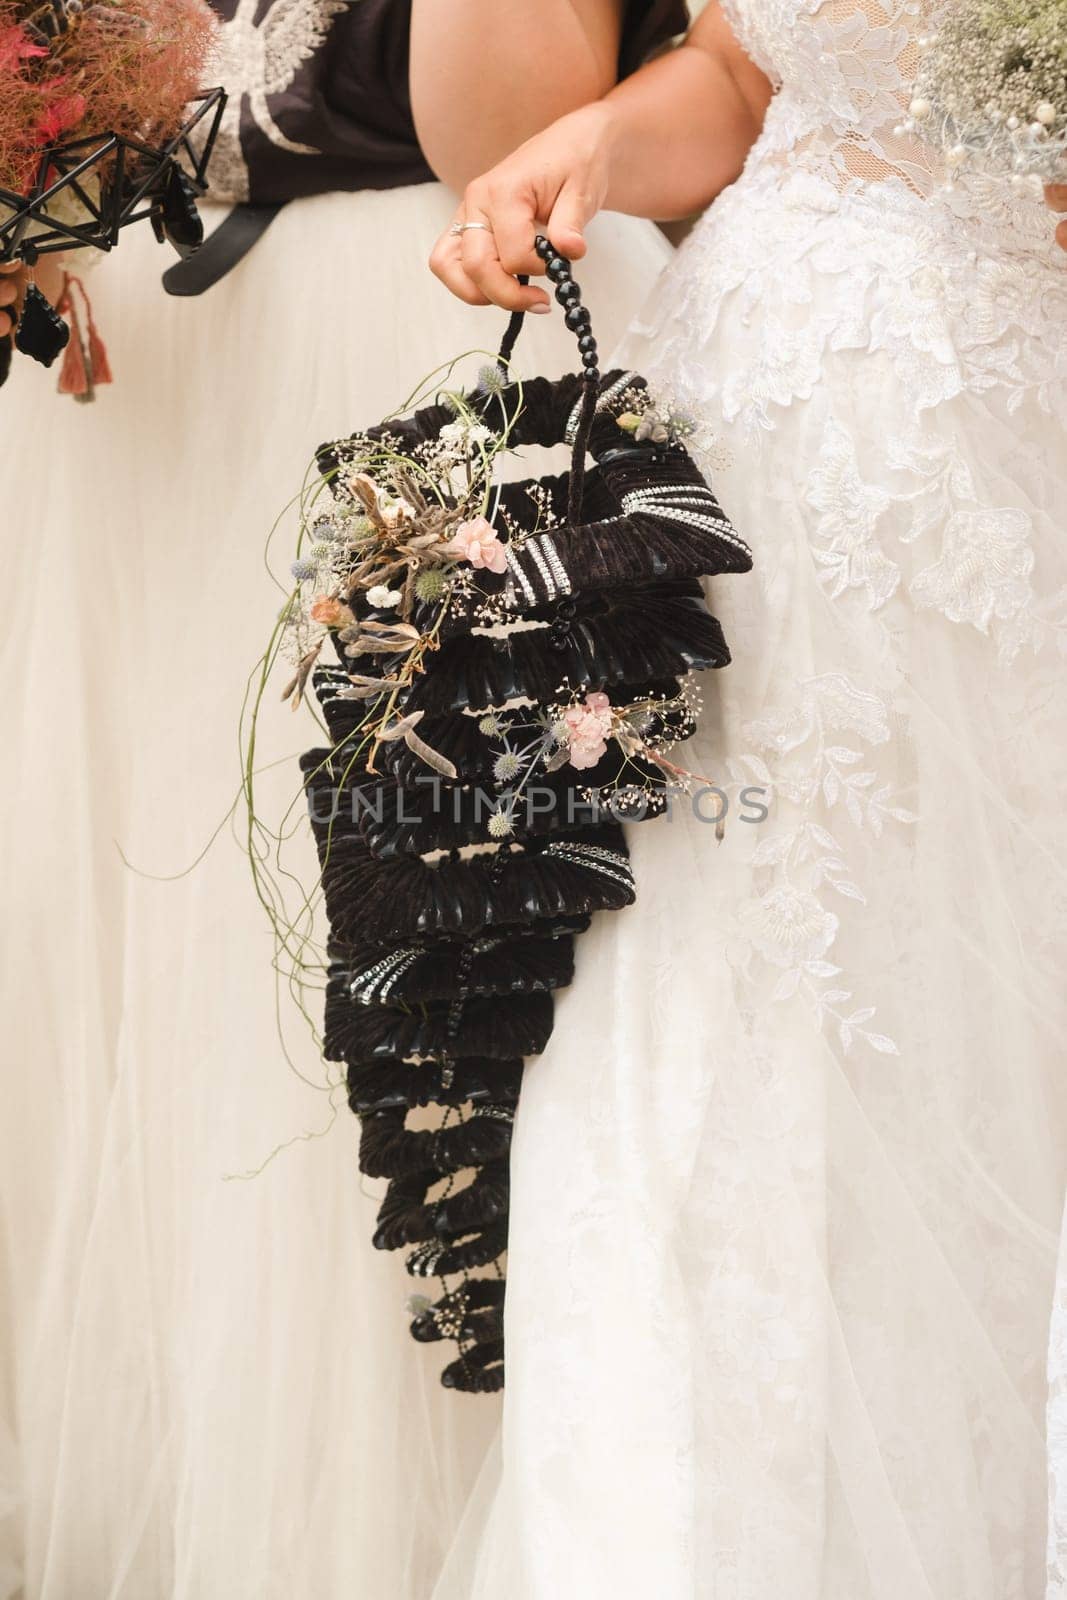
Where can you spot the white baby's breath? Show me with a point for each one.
(992, 89)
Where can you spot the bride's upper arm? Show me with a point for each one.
(713, 34)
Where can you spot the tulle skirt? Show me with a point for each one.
(207, 1376)
(787, 1184)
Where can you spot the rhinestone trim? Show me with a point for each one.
(597, 858)
(552, 556)
(377, 981)
(609, 394)
(683, 503)
(542, 566)
(515, 563)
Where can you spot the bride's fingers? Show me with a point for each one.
(492, 241)
(446, 263)
(483, 267)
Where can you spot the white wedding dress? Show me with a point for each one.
(787, 1184)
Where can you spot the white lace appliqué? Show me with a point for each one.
(820, 749)
(983, 571)
(846, 543)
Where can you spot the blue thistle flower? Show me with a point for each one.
(491, 379)
(500, 825)
(506, 767)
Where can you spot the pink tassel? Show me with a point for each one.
(73, 376)
(86, 363)
(98, 358)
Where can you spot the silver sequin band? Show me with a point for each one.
(686, 503)
(541, 551)
(609, 863)
(533, 550)
(518, 574)
(494, 1113)
(421, 1263)
(552, 556)
(377, 981)
(611, 393)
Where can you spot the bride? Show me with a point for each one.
(787, 1183)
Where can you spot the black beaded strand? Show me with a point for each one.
(578, 320)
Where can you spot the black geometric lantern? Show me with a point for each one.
(114, 180)
(137, 182)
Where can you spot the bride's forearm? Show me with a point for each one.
(487, 74)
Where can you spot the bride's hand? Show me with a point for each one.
(1056, 200)
(552, 184)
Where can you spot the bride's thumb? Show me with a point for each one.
(566, 225)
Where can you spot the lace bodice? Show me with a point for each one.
(845, 73)
(846, 68)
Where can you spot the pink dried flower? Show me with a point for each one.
(584, 756)
(476, 542)
(588, 730)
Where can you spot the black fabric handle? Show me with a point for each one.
(569, 297)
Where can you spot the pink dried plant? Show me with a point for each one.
(130, 67)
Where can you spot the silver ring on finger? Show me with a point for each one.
(458, 228)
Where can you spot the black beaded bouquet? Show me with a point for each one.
(510, 675)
